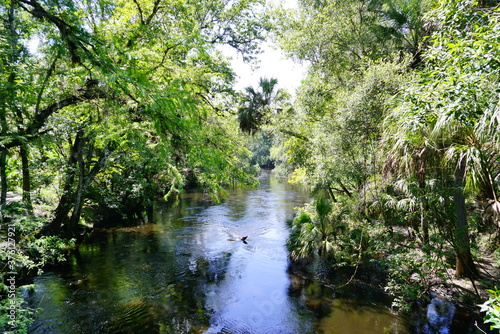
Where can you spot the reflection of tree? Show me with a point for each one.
(211, 269)
(157, 278)
(133, 281)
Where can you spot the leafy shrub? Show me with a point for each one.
(492, 309)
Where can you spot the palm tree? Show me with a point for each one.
(411, 158)
(443, 144)
(257, 104)
(473, 154)
(316, 237)
(405, 21)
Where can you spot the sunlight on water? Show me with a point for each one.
(190, 272)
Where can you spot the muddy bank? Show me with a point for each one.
(450, 307)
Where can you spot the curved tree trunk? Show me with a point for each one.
(86, 177)
(65, 202)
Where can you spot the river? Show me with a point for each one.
(190, 272)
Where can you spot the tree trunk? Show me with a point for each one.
(332, 195)
(3, 176)
(26, 179)
(85, 179)
(65, 203)
(465, 266)
(346, 191)
(78, 199)
(8, 94)
(424, 204)
(424, 223)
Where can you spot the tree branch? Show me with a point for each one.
(139, 9)
(294, 134)
(44, 84)
(66, 30)
(33, 129)
(156, 7)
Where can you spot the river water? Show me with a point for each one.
(190, 272)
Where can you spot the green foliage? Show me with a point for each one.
(316, 235)
(335, 35)
(412, 273)
(259, 106)
(32, 251)
(440, 126)
(492, 309)
(24, 315)
(260, 146)
(122, 102)
(385, 123)
(24, 253)
(340, 153)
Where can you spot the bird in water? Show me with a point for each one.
(235, 236)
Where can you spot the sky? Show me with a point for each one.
(272, 64)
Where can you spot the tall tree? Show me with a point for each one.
(260, 104)
(349, 88)
(105, 72)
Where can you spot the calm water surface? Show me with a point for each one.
(189, 272)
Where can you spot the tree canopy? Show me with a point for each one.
(121, 97)
(110, 105)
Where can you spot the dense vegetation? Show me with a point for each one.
(108, 106)
(397, 124)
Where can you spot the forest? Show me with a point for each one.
(109, 106)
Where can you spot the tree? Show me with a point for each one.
(405, 21)
(107, 72)
(340, 152)
(258, 105)
(349, 87)
(448, 107)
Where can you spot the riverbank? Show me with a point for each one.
(24, 255)
(458, 299)
(188, 266)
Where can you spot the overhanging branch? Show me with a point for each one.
(68, 32)
(33, 129)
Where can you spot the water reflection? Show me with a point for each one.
(191, 273)
(348, 317)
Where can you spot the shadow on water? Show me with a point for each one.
(189, 272)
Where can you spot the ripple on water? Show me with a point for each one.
(188, 271)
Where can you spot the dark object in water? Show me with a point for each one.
(244, 239)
